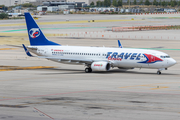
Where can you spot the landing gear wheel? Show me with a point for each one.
(158, 72)
(88, 70)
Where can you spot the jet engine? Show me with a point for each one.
(100, 66)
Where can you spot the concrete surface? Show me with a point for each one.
(66, 92)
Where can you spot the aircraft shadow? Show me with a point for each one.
(114, 71)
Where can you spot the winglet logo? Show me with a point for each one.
(34, 32)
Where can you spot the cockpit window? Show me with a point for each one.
(165, 56)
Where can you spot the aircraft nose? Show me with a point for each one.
(172, 62)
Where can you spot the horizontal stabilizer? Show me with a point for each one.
(27, 51)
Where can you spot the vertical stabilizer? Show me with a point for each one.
(36, 37)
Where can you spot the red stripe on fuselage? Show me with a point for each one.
(152, 58)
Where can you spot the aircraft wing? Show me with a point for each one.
(71, 60)
(68, 59)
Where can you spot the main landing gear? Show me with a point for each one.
(88, 70)
(158, 72)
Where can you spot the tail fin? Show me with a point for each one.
(36, 37)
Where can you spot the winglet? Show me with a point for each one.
(119, 44)
(27, 51)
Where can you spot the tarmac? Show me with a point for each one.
(33, 88)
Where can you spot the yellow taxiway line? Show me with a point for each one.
(8, 48)
(67, 22)
(10, 68)
(26, 35)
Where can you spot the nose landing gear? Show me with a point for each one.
(159, 70)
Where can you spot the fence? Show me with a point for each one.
(157, 13)
(139, 28)
(115, 35)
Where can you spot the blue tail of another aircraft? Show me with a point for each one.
(36, 37)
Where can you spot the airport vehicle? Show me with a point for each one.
(94, 58)
(15, 14)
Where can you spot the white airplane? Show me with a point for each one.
(94, 58)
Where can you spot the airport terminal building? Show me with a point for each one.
(40, 2)
(15, 2)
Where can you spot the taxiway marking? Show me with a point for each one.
(8, 48)
(67, 22)
(6, 68)
(43, 113)
(155, 86)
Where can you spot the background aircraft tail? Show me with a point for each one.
(36, 37)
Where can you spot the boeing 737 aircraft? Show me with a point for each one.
(94, 58)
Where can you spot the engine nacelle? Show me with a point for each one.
(100, 66)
